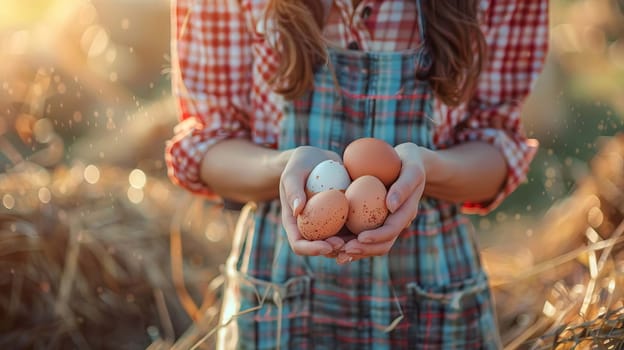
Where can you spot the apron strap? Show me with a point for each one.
(421, 22)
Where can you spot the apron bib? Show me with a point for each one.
(429, 292)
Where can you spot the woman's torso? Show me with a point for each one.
(429, 290)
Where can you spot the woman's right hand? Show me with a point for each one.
(293, 199)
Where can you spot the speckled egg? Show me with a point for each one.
(371, 156)
(323, 215)
(327, 175)
(367, 204)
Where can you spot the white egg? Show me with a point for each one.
(328, 175)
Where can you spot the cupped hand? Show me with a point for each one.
(293, 199)
(402, 201)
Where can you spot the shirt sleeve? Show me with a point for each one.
(516, 32)
(211, 81)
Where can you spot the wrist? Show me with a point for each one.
(277, 162)
(436, 170)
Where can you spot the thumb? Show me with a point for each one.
(409, 180)
(293, 185)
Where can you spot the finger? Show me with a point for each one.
(410, 178)
(332, 255)
(395, 223)
(288, 218)
(355, 248)
(333, 156)
(347, 258)
(355, 258)
(336, 242)
(343, 258)
(311, 248)
(345, 235)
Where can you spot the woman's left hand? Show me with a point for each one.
(402, 201)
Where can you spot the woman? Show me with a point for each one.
(269, 88)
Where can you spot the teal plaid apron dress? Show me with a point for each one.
(429, 292)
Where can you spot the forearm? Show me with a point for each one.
(242, 171)
(473, 171)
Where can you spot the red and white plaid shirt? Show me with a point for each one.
(222, 63)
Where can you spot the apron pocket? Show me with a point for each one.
(458, 316)
(273, 315)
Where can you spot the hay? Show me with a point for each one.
(87, 265)
(565, 290)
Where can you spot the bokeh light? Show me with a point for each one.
(92, 174)
(137, 179)
(135, 195)
(8, 201)
(44, 194)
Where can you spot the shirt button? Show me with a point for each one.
(366, 12)
(353, 46)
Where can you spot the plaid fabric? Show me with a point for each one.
(221, 62)
(429, 292)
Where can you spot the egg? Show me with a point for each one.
(371, 156)
(327, 175)
(323, 215)
(367, 204)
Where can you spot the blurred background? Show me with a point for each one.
(99, 250)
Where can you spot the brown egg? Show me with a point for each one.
(370, 156)
(367, 204)
(323, 215)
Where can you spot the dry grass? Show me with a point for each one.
(566, 288)
(82, 266)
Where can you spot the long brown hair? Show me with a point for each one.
(453, 37)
